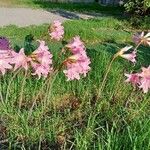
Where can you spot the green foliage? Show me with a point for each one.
(138, 7)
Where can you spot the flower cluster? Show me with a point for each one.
(78, 63)
(142, 79)
(56, 31)
(40, 60)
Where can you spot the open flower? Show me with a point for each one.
(145, 79)
(40, 70)
(20, 60)
(56, 30)
(133, 78)
(78, 63)
(5, 55)
(4, 65)
(141, 79)
(41, 60)
(129, 56)
(141, 38)
(77, 67)
(76, 46)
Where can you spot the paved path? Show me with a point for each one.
(25, 16)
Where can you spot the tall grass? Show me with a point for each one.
(57, 114)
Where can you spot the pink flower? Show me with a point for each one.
(142, 79)
(56, 30)
(40, 70)
(78, 63)
(42, 54)
(131, 56)
(141, 38)
(41, 60)
(133, 78)
(20, 60)
(4, 65)
(76, 46)
(145, 79)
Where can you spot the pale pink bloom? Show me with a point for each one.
(72, 73)
(20, 60)
(77, 46)
(76, 66)
(56, 30)
(5, 55)
(145, 79)
(42, 54)
(129, 56)
(4, 65)
(133, 78)
(78, 63)
(41, 60)
(141, 38)
(40, 70)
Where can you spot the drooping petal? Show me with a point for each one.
(131, 57)
(20, 60)
(133, 78)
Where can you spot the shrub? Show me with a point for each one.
(138, 7)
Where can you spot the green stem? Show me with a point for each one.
(22, 88)
(34, 102)
(138, 45)
(9, 84)
(105, 77)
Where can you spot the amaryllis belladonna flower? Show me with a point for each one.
(78, 63)
(41, 60)
(20, 60)
(133, 78)
(145, 79)
(56, 30)
(129, 56)
(141, 38)
(142, 79)
(4, 65)
(5, 55)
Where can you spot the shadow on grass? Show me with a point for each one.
(69, 10)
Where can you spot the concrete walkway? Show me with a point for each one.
(26, 16)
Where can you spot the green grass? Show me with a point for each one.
(65, 115)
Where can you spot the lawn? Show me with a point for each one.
(66, 115)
